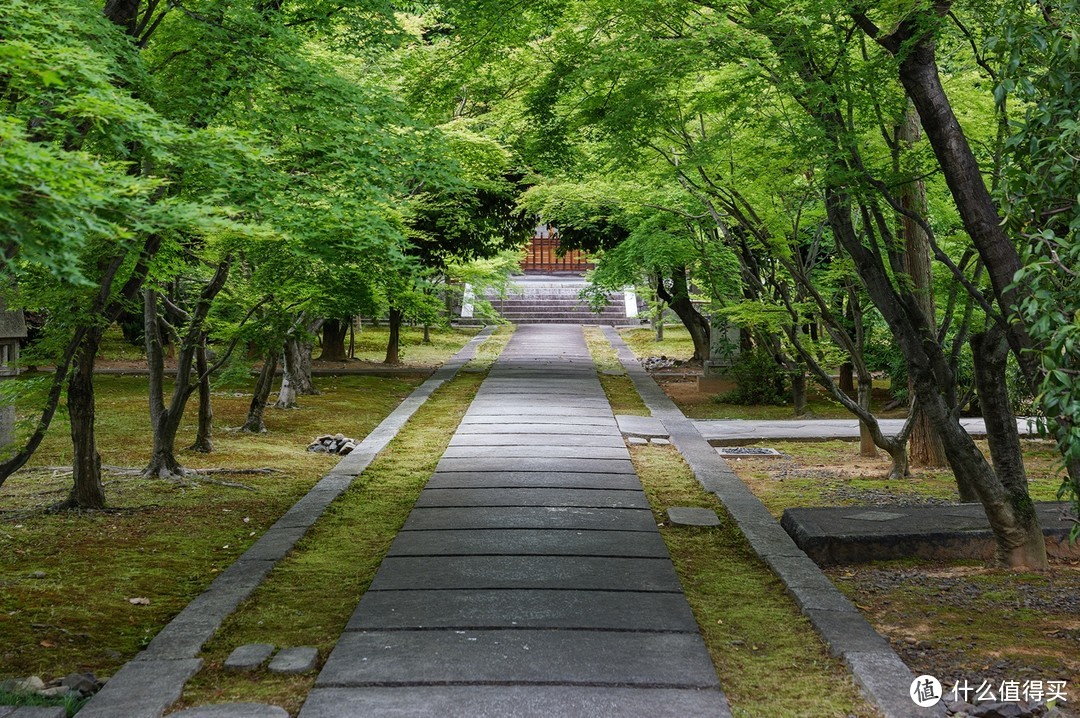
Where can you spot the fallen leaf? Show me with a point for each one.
(47, 644)
(140, 601)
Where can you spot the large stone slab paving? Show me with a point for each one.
(587, 498)
(539, 419)
(528, 542)
(596, 466)
(520, 656)
(510, 608)
(528, 431)
(526, 439)
(548, 479)
(556, 572)
(142, 689)
(536, 451)
(530, 517)
(517, 701)
(532, 560)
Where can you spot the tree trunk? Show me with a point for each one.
(204, 442)
(427, 334)
(163, 463)
(932, 380)
(658, 323)
(847, 378)
(867, 447)
(1023, 544)
(297, 366)
(926, 448)
(333, 342)
(263, 384)
(798, 391)
(86, 491)
(679, 301)
(287, 393)
(394, 341)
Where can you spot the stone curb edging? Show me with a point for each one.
(154, 679)
(883, 677)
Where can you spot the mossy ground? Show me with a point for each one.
(308, 597)
(770, 660)
(617, 385)
(158, 540)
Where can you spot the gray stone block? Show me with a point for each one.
(233, 710)
(536, 450)
(637, 441)
(643, 426)
(529, 542)
(520, 656)
(184, 636)
(302, 659)
(531, 410)
(886, 680)
(845, 632)
(459, 609)
(595, 466)
(692, 516)
(274, 544)
(305, 512)
(6, 711)
(496, 422)
(517, 701)
(40, 712)
(608, 440)
(526, 479)
(248, 657)
(595, 498)
(529, 431)
(553, 572)
(141, 689)
(528, 517)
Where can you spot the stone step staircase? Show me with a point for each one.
(546, 300)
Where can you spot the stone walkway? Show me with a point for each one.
(530, 578)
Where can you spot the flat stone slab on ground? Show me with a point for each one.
(527, 432)
(537, 450)
(233, 710)
(854, 534)
(518, 701)
(692, 516)
(530, 517)
(530, 480)
(294, 660)
(553, 572)
(248, 657)
(142, 689)
(529, 542)
(36, 712)
(719, 432)
(644, 426)
(610, 439)
(589, 498)
(524, 608)
(589, 466)
(520, 656)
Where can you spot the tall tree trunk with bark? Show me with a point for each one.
(263, 385)
(798, 391)
(204, 441)
(393, 344)
(333, 343)
(679, 301)
(1025, 545)
(87, 491)
(926, 448)
(287, 393)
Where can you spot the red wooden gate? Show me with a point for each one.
(542, 254)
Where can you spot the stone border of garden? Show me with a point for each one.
(152, 681)
(883, 677)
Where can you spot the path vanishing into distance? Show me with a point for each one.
(530, 578)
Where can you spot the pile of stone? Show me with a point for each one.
(660, 362)
(333, 444)
(77, 685)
